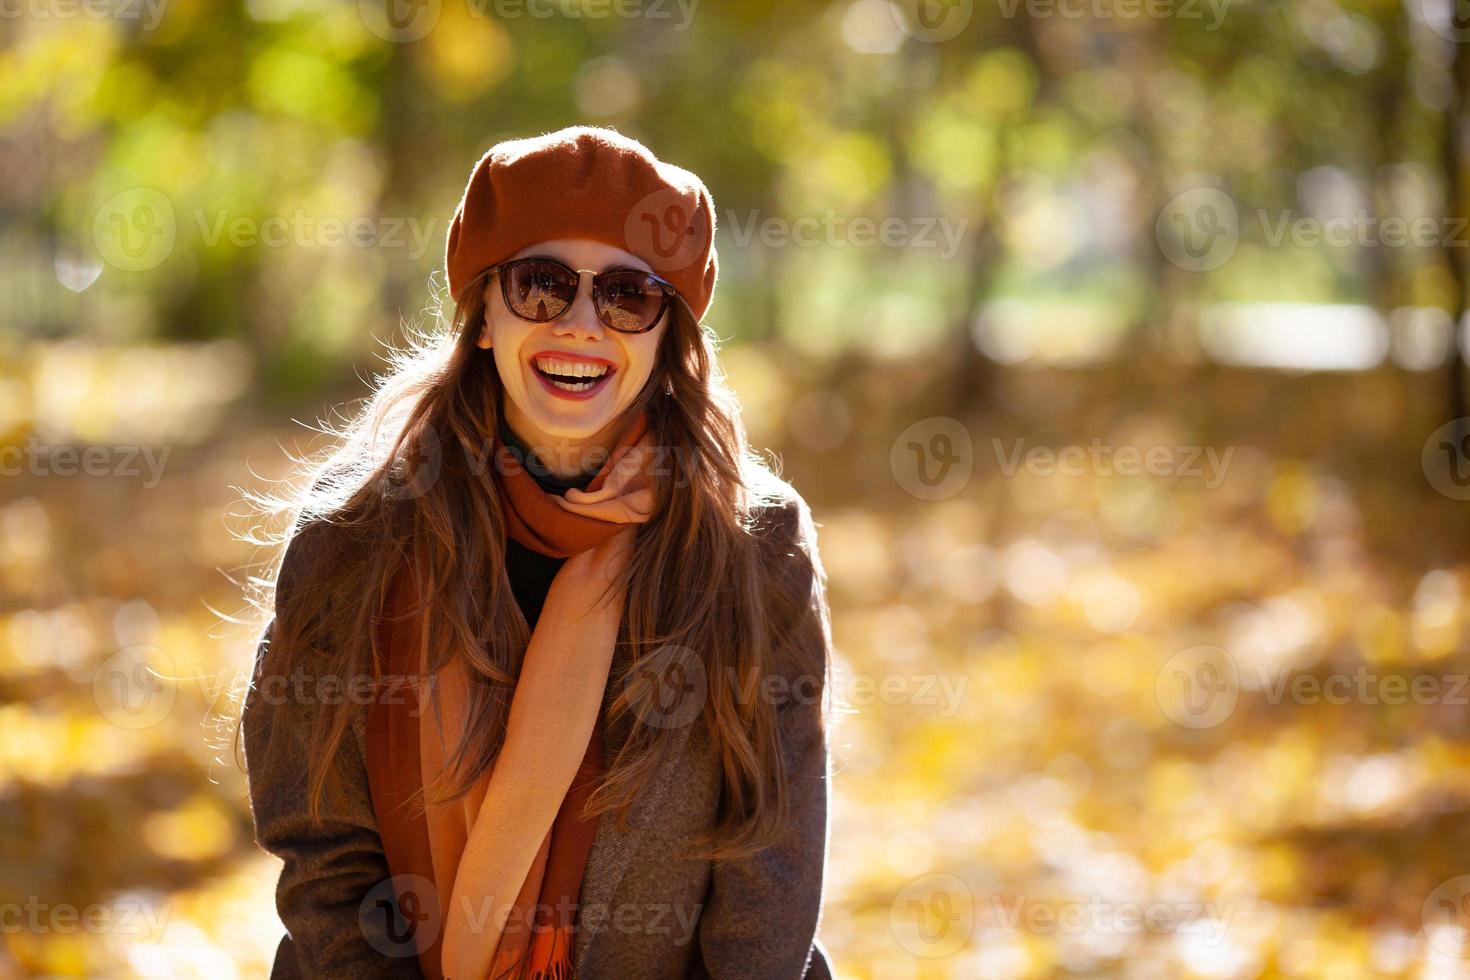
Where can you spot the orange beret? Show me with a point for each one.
(586, 182)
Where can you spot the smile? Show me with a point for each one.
(570, 377)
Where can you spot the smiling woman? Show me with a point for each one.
(572, 359)
(595, 743)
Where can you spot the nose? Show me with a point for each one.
(580, 320)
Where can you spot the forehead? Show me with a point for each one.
(585, 253)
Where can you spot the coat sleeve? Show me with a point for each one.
(761, 915)
(335, 885)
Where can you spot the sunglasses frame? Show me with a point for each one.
(669, 290)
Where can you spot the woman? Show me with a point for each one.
(542, 691)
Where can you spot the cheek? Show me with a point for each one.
(642, 354)
(507, 341)
(505, 365)
(504, 327)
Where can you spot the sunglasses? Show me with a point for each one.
(542, 289)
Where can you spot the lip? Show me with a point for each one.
(568, 356)
(573, 396)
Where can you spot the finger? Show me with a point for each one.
(575, 496)
(628, 474)
(641, 502)
(632, 508)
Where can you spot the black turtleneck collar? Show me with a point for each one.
(548, 481)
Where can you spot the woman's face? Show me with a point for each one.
(540, 410)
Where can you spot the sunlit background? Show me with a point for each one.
(1111, 341)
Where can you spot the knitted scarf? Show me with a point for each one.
(407, 742)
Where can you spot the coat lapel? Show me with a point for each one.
(613, 847)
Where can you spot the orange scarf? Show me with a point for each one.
(560, 527)
(407, 745)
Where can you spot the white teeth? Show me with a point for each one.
(579, 386)
(571, 369)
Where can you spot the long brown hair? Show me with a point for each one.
(409, 487)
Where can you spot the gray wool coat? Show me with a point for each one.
(646, 912)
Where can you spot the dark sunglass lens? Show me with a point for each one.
(539, 291)
(630, 301)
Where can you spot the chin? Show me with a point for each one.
(573, 424)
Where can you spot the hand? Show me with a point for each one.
(626, 496)
(598, 572)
